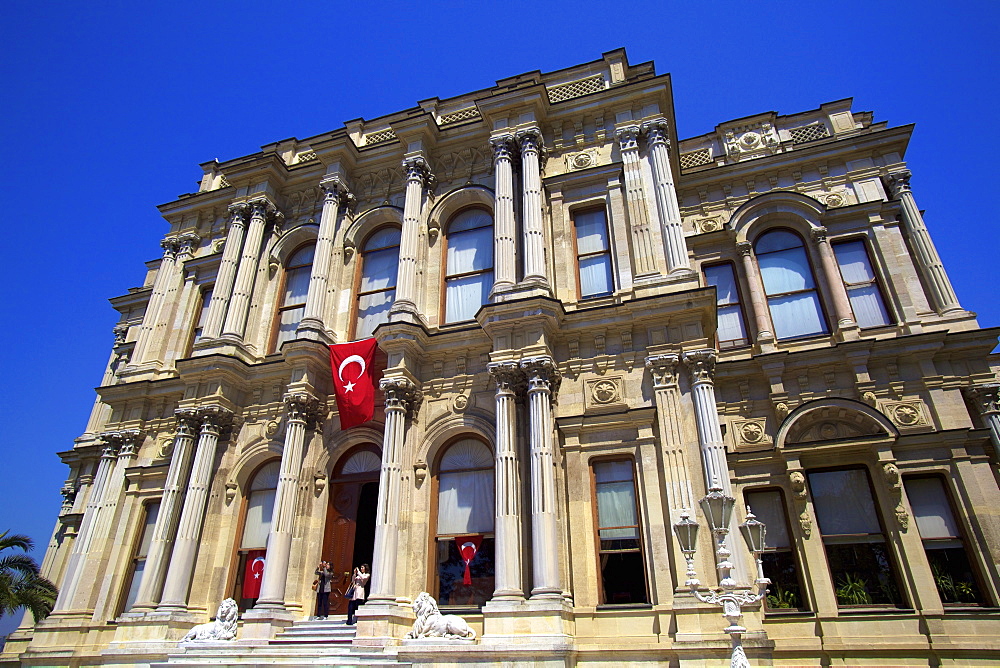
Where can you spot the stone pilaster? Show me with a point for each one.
(535, 271)
(239, 304)
(507, 529)
(764, 335)
(335, 207)
(635, 199)
(666, 196)
(666, 392)
(504, 227)
(165, 276)
(214, 319)
(418, 176)
(842, 312)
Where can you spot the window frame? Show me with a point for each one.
(137, 541)
(810, 261)
(445, 277)
(877, 281)
(237, 562)
(359, 275)
(739, 302)
(274, 345)
(804, 605)
(591, 208)
(204, 302)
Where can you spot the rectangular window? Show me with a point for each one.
(206, 301)
(943, 544)
(138, 563)
(860, 564)
(593, 253)
(731, 331)
(619, 551)
(785, 591)
(862, 286)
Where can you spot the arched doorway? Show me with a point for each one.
(349, 539)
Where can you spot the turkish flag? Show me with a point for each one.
(253, 574)
(468, 546)
(354, 381)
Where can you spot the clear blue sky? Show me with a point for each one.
(111, 106)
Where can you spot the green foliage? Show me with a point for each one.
(852, 589)
(782, 598)
(951, 591)
(21, 585)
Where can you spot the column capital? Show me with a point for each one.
(985, 396)
(264, 208)
(663, 369)
(899, 182)
(170, 246)
(418, 169)
(238, 212)
(187, 242)
(120, 331)
(187, 421)
(542, 374)
(656, 132)
(530, 139)
(400, 394)
(336, 190)
(503, 146)
(301, 407)
(68, 491)
(819, 234)
(745, 248)
(628, 137)
(214, 418)
(701, 365)
(508, 376)
(121, 442)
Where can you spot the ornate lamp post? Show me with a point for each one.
(718, 509)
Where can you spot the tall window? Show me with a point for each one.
(293, 301)
(731, 331)
(862, 286)
(465, 512)
(469, 273)
(138, 564)
(377, 286)
(619, 545)
(593, 253)
(206, 300)
(789, 285)
(785, 592)
(943, 544)
(259, 505)
(855, 545)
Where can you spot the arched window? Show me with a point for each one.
(293, 300)
(789, 285)
(465, 512)
(377, 284)
(469, 260)
(258, 505)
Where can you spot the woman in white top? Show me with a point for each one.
(357, 596)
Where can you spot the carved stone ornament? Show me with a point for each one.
(460, 403)
(906, 413)
(706, 225)
(420, 472)
(986, 397)
(890, 473)
(231, 489)
(271, 428)
(755, 140)
(542, 374)
(400, 394)
(751, 434)
(663, 369)
(797, 480)
(834, 200)
(319, 481)
(869, 398)
(581, 160)
(223, 628)
(628, 137)
(701, 365)
(605, 394)
(430, 623)
(899, 182)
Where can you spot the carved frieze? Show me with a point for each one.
(905, 414)
(706, 225)
(754, 140)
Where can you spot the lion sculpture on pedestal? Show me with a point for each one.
(430, 623)
(223, 628)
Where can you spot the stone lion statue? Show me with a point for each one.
(223, 628)
(430, 623)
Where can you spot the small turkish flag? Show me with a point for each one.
(254, 573)
(354, 381)
(468, 546)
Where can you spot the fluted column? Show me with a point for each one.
(214, 319)
(164, 276)
(987, 399)
(534, 233)
(301, 409)
(543, 378)
(943, 297)
(666, 393)
(165, 529)
(504, 228)
(239, 303)
(507, 529)
(337, 200)
(417, 176)
(635, 199)
(666, 196)
(182, 560)
(758, 298)
(400, 395)
(831, 275)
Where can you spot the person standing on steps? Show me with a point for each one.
(322, 586)
(356, 593)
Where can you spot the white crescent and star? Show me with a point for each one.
(349, 386)
(253, 567)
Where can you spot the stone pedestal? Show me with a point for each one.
(263, 624)
(539, 620)
(383, 624)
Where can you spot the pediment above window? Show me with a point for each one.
(833, 420)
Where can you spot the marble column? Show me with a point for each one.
(239, 303)
(507, 529)
(758, 298)
(635, 199)
(842, 311)
(942, 296)
(335, 207)
(301, 409)
(543, 378)
(182, 559)
(666, 196)
(400, 395)
(666, 393)
(418, 175)
(987, 399)
(223, 289)
(504, 227)
(534, 233)
(164, 277)
(165, 529)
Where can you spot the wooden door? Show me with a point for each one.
(338, 540)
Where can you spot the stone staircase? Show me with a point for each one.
(304, 643)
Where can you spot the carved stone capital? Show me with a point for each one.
(400, 394)
(701, 365)
(301, 407)
(530, 140)
(899, 182)
(122, 442)
(68, 492)
(187, 242)
(508, 376)
(628, 137)
(819, 234)
(986, 397)
(417, 169)
(187, 421)
(170, 247)
(503, 147)
(663, 369)
(238, 213)
(336, 191)
(745, 248)
(120, 331)
(214, 419)
(542, 374)
(656, 132)
(263, 209)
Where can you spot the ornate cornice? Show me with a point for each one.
(701, 365)
(663, 368)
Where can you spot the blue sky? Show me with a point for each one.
(111, 106)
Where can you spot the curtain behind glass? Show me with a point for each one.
(862, 289)
(769, 509)
(464, 296)
(260, 506)
(373, 310)
(843, 503)
(931, 508)
(595, 275)
(591, 232)
(465, 502)
(615, 487)
(796, 315)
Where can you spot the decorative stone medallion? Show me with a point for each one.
(706, 225)
(581, 160)
(604, 394)
(460, 403)
(905, 413)
(751, 434)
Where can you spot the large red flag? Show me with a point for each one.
(354, 381)
(253, 574)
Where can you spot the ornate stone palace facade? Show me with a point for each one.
(584, 322)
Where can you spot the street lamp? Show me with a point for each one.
(718, 509)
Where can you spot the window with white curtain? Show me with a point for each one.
(377, 285)
(138, 564)
(619, 539)
(789, 285)
(860, 562)
(293, 297)
(258, 508)
(778, 558)
(593, 253)
(469, 264)
(206, 300)
(954, 577)
(862, 285)
(465, 508)
(731, 331)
